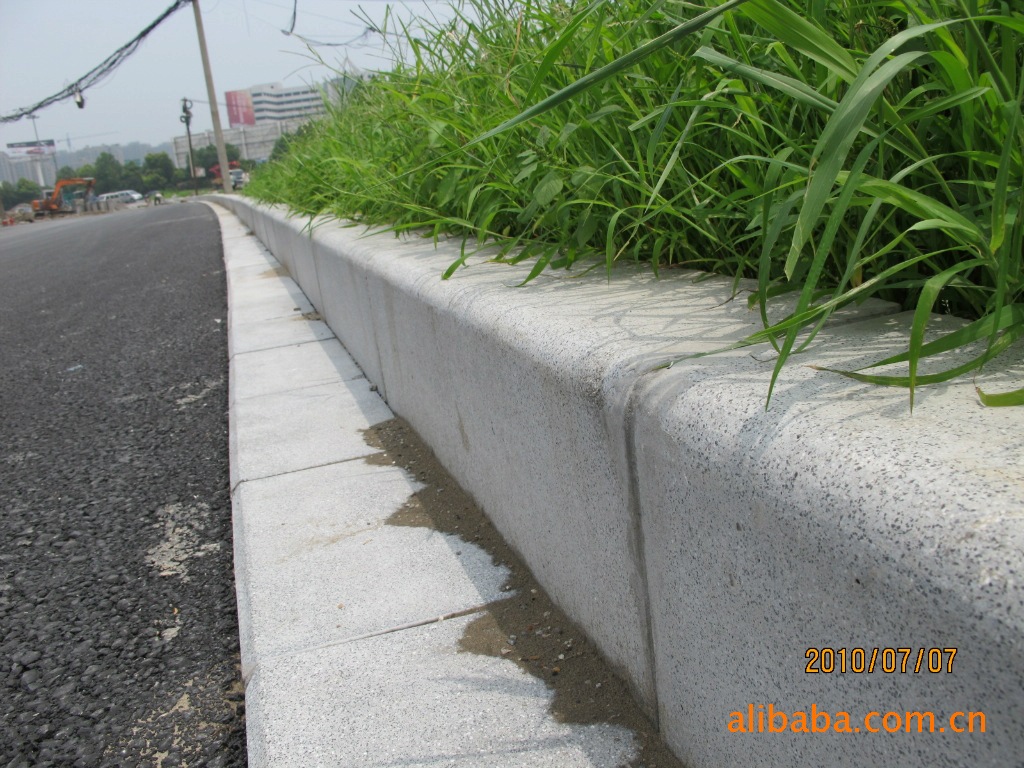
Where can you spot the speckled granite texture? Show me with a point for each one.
(706, 543)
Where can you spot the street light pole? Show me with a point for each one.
(222, 155)
(35, 160)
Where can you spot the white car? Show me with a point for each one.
(124, 196)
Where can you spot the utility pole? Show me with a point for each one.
(222, 155)
(186, 118)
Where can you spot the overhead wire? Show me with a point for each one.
(319, 43)
(368, 30)
(99, 72)
(114, 60)
(295, 11)
(333, 18)
(290, 32)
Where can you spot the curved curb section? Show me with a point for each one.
(712, 548)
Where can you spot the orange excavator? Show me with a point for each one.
(58, 201)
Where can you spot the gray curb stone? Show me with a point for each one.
(705, 543)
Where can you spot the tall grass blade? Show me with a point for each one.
(611, 69)
(1002, 399)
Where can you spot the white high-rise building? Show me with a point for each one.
(272, 102)
(277, 102)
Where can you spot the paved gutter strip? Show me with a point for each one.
(351, 625)
(671, 505)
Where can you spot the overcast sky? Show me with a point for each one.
(44, 47)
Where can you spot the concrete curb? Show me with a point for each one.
(350, 624)
(704, 543)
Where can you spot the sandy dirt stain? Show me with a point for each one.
(527, 629)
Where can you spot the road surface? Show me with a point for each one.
(118, 636)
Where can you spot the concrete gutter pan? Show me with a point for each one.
(717, 552)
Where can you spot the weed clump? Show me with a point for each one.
(830, 150)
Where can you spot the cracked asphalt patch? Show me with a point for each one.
(118, 632)
(184, 530)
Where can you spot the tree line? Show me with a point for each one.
(155, 172)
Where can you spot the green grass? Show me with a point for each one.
(832, 150)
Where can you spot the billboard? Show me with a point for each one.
(33, 148)
(240, 111)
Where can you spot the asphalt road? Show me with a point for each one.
(118, 633)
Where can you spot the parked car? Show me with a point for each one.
(239, 178)
(125, 196)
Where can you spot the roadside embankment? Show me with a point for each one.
(717, 552)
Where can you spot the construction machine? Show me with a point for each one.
(61, 201)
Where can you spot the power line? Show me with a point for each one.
(97, 73)
(367, 31)
(290, 32)
(295, 10)
(361, 36)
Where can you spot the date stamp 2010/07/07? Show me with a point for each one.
(888, 660)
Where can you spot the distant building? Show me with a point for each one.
(7, 170)
(37, 169)
(254, 142)
(137, 150)
(274, 102)
(88, 155)
(260, 115)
